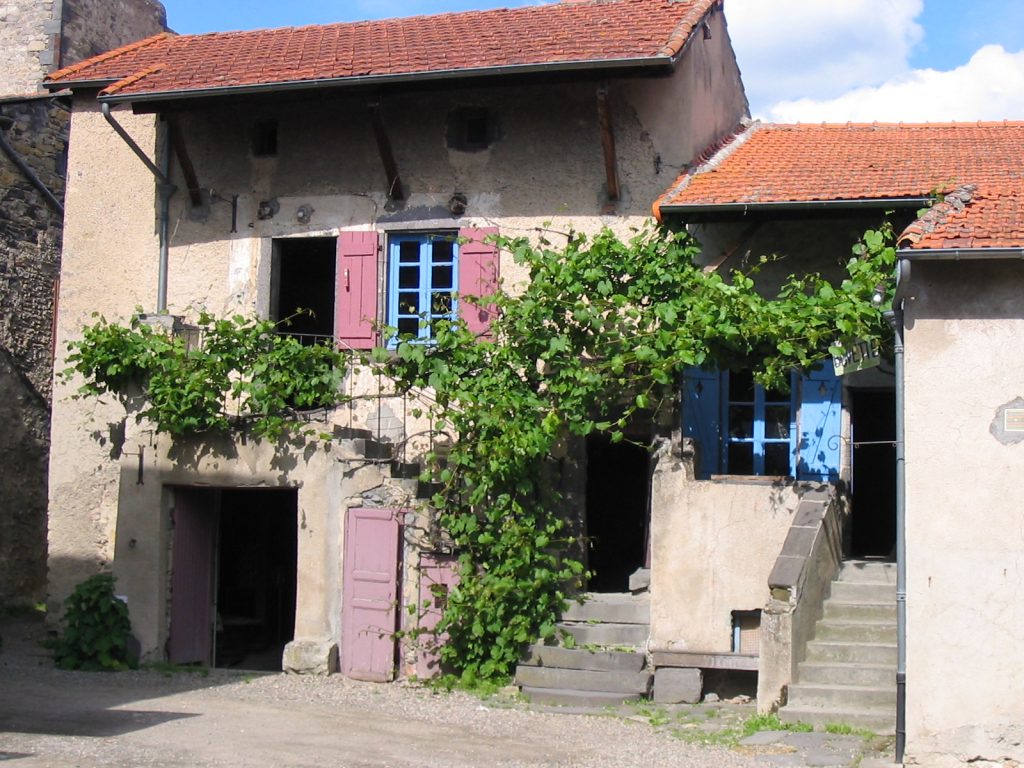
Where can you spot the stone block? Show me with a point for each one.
(310, 657)
(674, 685)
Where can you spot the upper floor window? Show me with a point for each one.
(758, 427)
(422, 282)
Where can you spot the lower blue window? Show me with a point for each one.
(422, 274)
(758, 427)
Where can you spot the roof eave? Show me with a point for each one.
(641, 63)
(959, 254)
(70, 85)
(793, 205)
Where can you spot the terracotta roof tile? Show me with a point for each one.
(971, 217)
(814, 163)
(554, 33)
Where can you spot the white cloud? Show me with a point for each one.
(819, 49)
(988, 87)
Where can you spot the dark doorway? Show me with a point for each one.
(304, 278)
(618, 482)
(255, 577)
(873, 519)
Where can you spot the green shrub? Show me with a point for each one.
(95, 628)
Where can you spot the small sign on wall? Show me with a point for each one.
(1013, 420)
(1008, 425)
(856, 357)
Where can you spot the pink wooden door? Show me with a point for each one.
(369, 614)
(192, 561)
(438, 574)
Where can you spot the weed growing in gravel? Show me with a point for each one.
(845, 729)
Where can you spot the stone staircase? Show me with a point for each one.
(607, 663)
(849, 673)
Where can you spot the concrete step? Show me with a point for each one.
(861, 697)
(583, 680)
(863, 592)
(855, 631)
(880, 722)
(615, 608)
(855, 653)
(868, 570)
(608, 634)
(839, 673)
(570, 698)
(837, 610)
(582, 658)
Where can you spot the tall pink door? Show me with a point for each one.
(370, 594)
(192, 562)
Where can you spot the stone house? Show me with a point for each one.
(37, 37)
(333, 167)
(917, 628)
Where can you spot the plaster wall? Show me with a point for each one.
(544, 169)
(965, 322)
(714, 542)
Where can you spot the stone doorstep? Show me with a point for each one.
(861, 697)
(607, 634)
(583, 680)
(582, 658)
(586, 701)
(613, 609)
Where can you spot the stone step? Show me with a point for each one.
(859, 697)
(863, 592)
(878, 721)
(855, 631)
(583, 680)
(608, 634)
(570, 698)
(582, 658)
(868, 570)
(615, 608)
(837, 610)
(839, 673)
(862, 653)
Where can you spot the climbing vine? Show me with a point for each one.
(598, 333)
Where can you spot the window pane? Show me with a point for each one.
(409, 277)
(441, 303)
(741, 386)
(441, 250)
(408, 325)
(776, 396)
(408, 303)
(741, 421)
(741, 459)
(776, 422)
(409, 252)
(441, 278)
(776, 459)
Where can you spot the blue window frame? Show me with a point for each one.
(758, 427)
(422, 280)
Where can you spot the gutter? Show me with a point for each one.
(795, 205)
(645, 63)
(958, 254)
(26, 171)
(165, 189)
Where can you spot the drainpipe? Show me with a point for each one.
(895, 319)
(28, 173)
(164, 188)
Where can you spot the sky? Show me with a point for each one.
(802, 60)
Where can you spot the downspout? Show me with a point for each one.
(895, 319)
(165, 189)
(28, 173)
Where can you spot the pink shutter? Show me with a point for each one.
(478, 276)
(355, 298)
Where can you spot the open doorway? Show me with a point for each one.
(303, 277)
(873, 518)
(233, 576)
(618, 484)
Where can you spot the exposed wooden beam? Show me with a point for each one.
(185, 161)
(604, 120)
(387, 157)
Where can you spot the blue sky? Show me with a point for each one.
(802, 60)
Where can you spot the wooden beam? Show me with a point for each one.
(604, 121)
(387, 157)
(187, 169)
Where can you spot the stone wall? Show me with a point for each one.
(90, 27)
(30, 241)
(27, 37)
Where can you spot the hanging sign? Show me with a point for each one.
(857, 356)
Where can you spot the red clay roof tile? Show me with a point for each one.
(556, 33)
(971, 217)
(820, 163)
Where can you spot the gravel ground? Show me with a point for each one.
(59, 719)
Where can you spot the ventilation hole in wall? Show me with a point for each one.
(264, 138)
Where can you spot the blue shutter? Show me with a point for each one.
(701, 418)
(820, 422)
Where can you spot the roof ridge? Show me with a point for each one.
(709, 159)
(111, 54)
(687, 26)
(914, 125)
